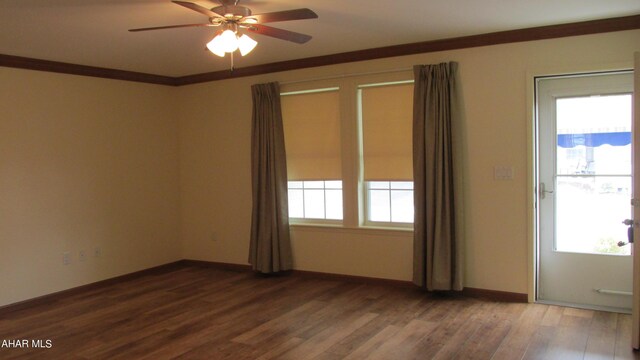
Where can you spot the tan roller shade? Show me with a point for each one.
(312, 135)
(387, 120)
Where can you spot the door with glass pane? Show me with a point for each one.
(584, 190)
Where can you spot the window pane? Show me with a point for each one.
(586, 160)
(314, 204)
(379, 205)
(314, 184)
(402, 206)
(594, 135)
(334, 204)
(591, 209)
(401, 185)
(378, 184)
(296, 203)
(295, 184)
(315, 199)
(333, 184)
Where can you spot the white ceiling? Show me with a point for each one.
(94, 32)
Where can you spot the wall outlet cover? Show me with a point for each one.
(66, 258)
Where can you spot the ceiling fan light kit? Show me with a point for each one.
(246, 44)
(228, 41)
(233, 17)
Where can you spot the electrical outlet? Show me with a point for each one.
(66, 258)
(82, 256)
(97, 252)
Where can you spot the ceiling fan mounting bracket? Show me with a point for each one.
(228, 2)
(232, 12)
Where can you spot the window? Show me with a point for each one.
(386, 117)
(390, 201)
(311, 123)
(349, 150)
(315, 199)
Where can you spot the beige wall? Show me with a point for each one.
(215, 185)
(84, 163)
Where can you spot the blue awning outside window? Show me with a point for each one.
(594, 139)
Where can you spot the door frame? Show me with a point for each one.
(532, 155)
(635, 310)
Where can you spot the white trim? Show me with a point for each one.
(531, 176)
(315, 222)
(587, 307)
(362, 230)
(388, 83)
(310, 91)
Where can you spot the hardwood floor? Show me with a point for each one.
(203, 313)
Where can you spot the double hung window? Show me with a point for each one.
(386, 113)
(349, 153)
(314, 165)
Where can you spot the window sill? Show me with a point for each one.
(366, 230)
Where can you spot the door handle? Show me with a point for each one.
(630, 223)
(544, 191)
(629, 236)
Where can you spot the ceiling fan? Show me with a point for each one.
(231, 17)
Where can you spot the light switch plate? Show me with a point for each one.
(503, 172)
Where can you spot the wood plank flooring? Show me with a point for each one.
(202, 313)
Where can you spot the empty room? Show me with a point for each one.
(276, 179)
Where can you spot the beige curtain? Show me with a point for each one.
(437, 235)
(270, 247)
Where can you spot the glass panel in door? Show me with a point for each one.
(593, 160)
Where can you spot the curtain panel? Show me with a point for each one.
(437, 179)
(270, 246)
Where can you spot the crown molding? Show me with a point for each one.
(83, 70)
(494, 38)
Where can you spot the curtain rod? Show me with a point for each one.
(346, 76)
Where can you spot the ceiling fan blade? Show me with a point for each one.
(297, 14)
(198, 8)
(169, 27)
(279, 33)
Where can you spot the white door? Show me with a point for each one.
(584, 190)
